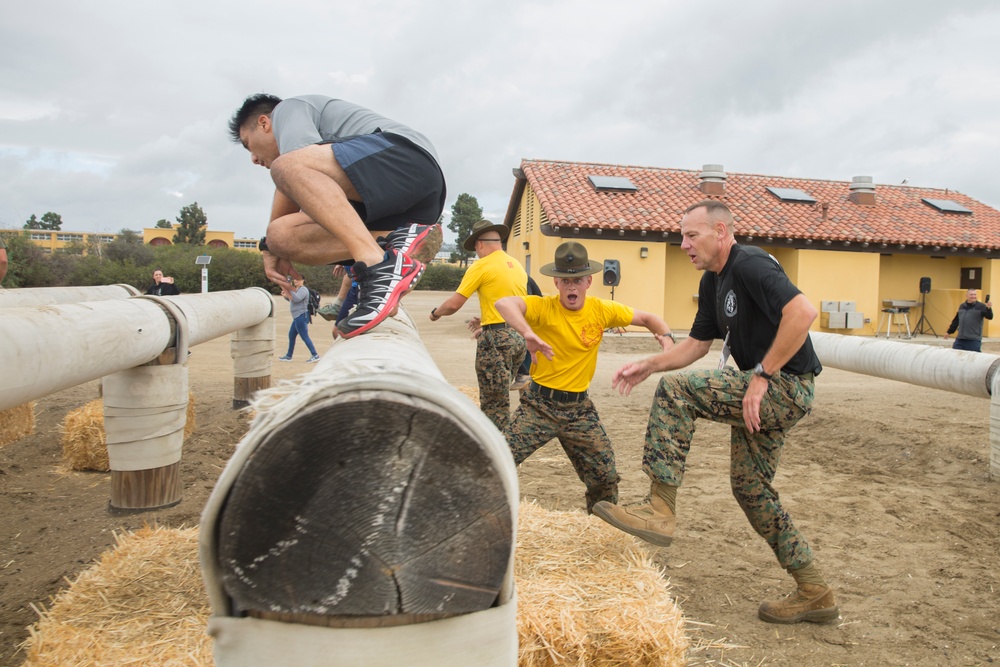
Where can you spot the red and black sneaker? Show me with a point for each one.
(380, 288)
(421, 242)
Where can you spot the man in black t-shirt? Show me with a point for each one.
(746, 300)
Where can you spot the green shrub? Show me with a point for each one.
(441, 277)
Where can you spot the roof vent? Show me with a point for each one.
(862, 190)
(712, 179)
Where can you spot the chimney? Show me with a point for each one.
(712, 180)
(863, 190)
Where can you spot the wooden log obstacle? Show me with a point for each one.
(139, 346)
(367, 517)
(969, 373)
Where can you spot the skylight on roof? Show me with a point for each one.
(612, 184)
(946, 206)
(792, 194)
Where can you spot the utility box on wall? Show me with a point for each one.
(840, 315)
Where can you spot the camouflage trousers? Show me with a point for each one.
(717, 395)
(581, 435)
(498, 354)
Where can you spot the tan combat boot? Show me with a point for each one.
(810, 602)
(653, 522)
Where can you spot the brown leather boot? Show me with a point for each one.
(653, 522)
(809, 602)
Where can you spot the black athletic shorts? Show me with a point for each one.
(398, 181)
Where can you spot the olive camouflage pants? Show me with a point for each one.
(581, 435)
(498, 354)
(717, 395)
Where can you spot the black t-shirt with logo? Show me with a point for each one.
(745, 301)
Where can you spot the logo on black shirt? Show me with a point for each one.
(730, 304)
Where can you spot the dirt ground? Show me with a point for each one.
(890, 483)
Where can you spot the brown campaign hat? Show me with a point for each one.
(482, 227)
(571, 262)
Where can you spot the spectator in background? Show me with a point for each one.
(162, 285)
(3, 259)
(968, 323)
(297, 295)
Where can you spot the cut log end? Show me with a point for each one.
(366, 508)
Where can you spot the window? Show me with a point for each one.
(612, 184)
(792, 195)
(946, 206)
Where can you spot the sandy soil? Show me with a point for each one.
(890, 483)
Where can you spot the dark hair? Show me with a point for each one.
(253, 106)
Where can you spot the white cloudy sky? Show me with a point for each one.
(113, 113)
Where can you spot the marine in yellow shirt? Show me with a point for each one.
(500, 349)
(563, 334)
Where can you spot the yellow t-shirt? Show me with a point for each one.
(495, 276)
(575, 336)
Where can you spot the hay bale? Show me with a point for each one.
(84, 441)
(17, 422)
(588, 594)
(143, 603)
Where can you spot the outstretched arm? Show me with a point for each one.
(513, 308)
(676, 356)
(450, 306)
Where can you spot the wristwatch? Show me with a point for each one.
(759, 370)
(262, 244)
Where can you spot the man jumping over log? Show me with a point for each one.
(344, 176)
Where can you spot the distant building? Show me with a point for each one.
(854, 245)
(62, 241)
(162, 236)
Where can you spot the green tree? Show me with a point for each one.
(50, 221)
(193, 222)
(29, 265)
(465, 212)
(129, 236)
(163, 223)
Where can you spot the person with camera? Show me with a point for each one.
(162, 285)
(968, 323)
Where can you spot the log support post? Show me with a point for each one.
(145, 410)
(252, 350)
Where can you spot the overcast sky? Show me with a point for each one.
(113, 114)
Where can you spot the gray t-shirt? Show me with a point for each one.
(312, 119)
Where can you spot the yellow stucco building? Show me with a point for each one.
(856, 250)
(65, 241)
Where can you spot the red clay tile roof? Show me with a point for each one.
(898, 216)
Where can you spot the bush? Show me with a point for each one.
(441, 278)
(133, 264)
(28, 264)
